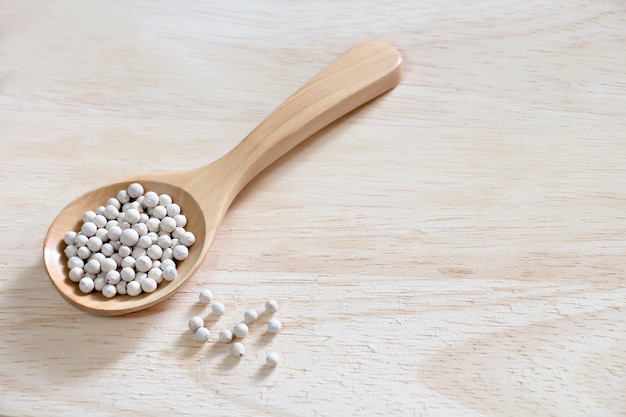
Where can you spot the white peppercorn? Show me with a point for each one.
(164, 241)
(218, 309)
(166, 263)
(238, 350)
(99, 282)
(173, 209)
(88, 229)
(93, 267)
(154, 237)
(169, 273)
(99, 220)
(271, 306)
(274, 326)
(205, 296)
(159, 212)
(127, 274)
(81, 240)
(143, 264)
(129, 237)
(123, 197)
(148, 285)
(140, 228)
(117, 258)
(83, 252)
(144, 242)
(111, 212)
(86, 285)
(240, 330)
(187, 239)
(107, 249)
(181, 252)
(75, 262)
(69, 237)
(155, 252)
(250, 316)
(113, 277)
(226, 336)
(115, 232)
(88, 216)
(165, 199)
(272, 360)
(128, 262)
(114, 202)
(70, 250)
(150, 199)
(131, 216)
(153, 224)
(108, 265)
(181, 220)
(133, 288)
(168, 253)
(120, 287)
(124, 251)
(168, 224)
(156, 274)
(202, 334)
(76, 274)
(137, 252)
(97, 256)
(109, 290)
(135, 190)
(178, 231)
(102, 234)
(195, 323)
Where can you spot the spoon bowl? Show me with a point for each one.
(204, 194)
(71, 219)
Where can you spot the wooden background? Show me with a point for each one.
(455, 248)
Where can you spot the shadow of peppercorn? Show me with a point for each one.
(186, 344)
(228, 361)
(263, 372)
(265, 338)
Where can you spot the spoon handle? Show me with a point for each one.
(356, 77)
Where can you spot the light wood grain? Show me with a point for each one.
(455, 248)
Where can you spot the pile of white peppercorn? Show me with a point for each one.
(130, 245)
(239, 331)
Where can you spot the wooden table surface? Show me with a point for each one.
(455, 248)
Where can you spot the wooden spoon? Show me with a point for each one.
(204, 194)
